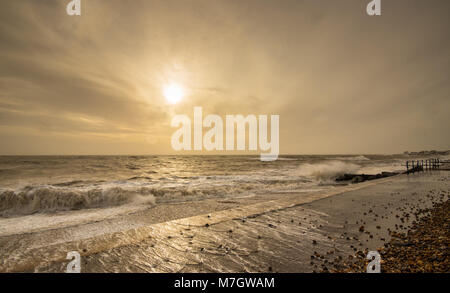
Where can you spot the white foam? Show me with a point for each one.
(52, 199)
(327, 170)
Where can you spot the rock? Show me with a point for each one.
(357, 179)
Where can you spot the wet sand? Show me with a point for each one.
(285, 233)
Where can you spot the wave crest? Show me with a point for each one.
(327, 171)
(50, 199)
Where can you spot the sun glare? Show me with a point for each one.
(173, 93)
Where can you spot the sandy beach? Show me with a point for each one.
(283, 233)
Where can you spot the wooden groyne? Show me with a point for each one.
(422, 165)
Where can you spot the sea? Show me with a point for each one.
(49, 184)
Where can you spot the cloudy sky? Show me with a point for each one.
(341, 81)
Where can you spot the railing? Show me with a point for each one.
(422, 165)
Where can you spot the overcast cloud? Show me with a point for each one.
(341, 81)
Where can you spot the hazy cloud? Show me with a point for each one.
(342, 82)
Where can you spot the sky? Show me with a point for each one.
(342, 82)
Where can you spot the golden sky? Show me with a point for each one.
(341, 81)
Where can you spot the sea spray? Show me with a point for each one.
(327, 170)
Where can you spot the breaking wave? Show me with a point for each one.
(51, 199)
(327, 171)
(66, 197)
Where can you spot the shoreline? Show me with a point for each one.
(214, 213)
(311, 227)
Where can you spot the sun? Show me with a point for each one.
(173, 93)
